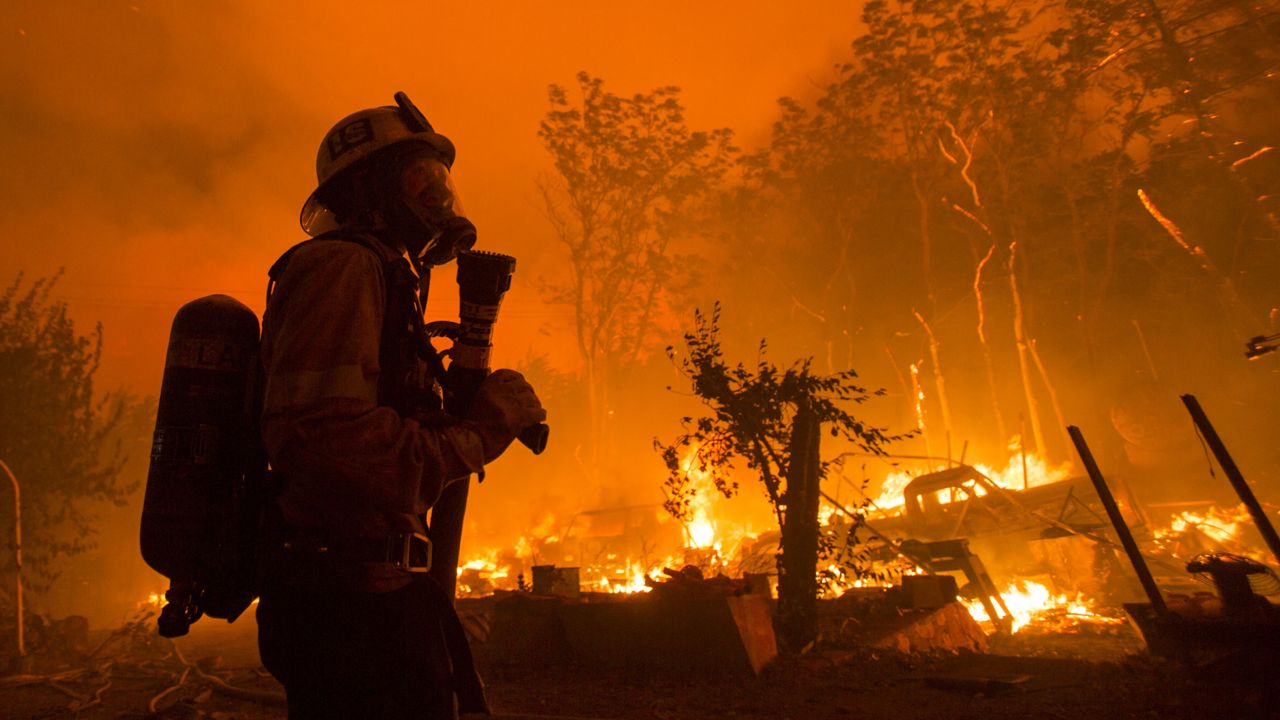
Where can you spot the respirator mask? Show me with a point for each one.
(386, 169)
(427, 213)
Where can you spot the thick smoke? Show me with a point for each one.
(159, 152)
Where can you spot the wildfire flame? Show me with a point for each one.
(700, 530)
(712, 540)
(1030, 603)
(1192, 532)
(1011, 477)
(631, 579)
(1219, 524)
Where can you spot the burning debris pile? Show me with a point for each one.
(625, 550)
(1192, 532)
(1055, 568)
(1034, 609)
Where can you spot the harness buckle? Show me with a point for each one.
(410, 552)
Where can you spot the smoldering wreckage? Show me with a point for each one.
(959, 565)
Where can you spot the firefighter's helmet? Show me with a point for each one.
(356, 138)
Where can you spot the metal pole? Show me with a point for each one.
(17, 552)
(1117, 521)
(1233, 474)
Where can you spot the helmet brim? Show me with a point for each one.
(316, 218)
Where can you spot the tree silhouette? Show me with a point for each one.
(771, 419)
(629, 174)
(60, 441)
(966, 188)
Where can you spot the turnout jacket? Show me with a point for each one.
(351, 419)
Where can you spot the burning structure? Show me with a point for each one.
(1048, 533)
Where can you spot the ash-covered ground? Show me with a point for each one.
(1094, 671)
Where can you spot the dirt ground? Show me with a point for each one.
(1103, 675)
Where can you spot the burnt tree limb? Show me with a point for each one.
(797, 567)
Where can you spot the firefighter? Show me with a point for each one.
(349, 620)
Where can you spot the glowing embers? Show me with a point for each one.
(1035, 609)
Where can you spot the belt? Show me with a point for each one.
(410, 552)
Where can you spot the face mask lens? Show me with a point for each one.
(429, 195)
(451, 202)
(426, 181)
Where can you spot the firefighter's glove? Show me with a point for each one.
(503, 407)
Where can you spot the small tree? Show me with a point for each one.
(61, 443)
(772, 420)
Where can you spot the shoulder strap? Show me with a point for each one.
(365, 240)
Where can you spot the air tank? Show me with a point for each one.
(194, 516)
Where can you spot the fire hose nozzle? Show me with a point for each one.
(535, 437)
(483, 279)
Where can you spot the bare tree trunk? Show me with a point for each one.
(926, 241)
(1114, 197)
(1019, 336)
(1053, 397)
(604, 453)
(939, 381)
(910, 138)
(902, 377)
(964, 151)
(798, 563)
(593, 424)
(986, 349)
(917, 399)
(1234, 305)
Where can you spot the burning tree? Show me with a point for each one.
(772, 419)
(975, 165)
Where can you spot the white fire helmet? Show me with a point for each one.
(357, 137)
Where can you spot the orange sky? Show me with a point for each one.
(161, 151)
